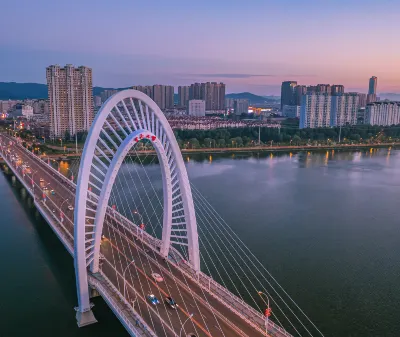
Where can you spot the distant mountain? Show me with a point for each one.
(253, 99)
(389, 95)
(12, 90)
(19, 91)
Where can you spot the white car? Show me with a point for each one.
(70, 208)
(157, 277)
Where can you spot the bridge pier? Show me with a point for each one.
(85, 318)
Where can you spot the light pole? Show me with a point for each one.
(58, 167)
(267, 311)
(180, 332)
(123, 274)
(33, 185)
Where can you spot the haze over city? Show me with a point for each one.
(251, 46)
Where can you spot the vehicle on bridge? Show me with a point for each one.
(70, 208)
(170, 301)
(152, 299)
(157, 277)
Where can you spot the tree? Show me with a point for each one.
(194, 143)
(221, 142)
(296, 139)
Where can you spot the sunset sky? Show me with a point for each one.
(251, 45)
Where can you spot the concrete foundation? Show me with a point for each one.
(85, 318)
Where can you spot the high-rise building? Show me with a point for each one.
(315, 110)
(197, 107)
(362, 100)
(371, 98)
(291, 111)
(324, 88)
(288, 93)
(159, 95)
(373, 82)
(146, 89)
(169, 96)
(70, 92)
(241, 106)
(106, 94)
(383, 113)
(337, 89)
(344, 109)
(211, 92)
(299, 91)
(183, 94)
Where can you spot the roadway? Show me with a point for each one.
(120, 248)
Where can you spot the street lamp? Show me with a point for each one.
(33, 185)
(58, 167)
(190, 316)
(123, 274)
(267, 311)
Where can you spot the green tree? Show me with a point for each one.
(296, 140)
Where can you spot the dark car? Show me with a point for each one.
(170, 301)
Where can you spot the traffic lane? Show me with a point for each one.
(141, 306)
(203, 319)
(216, 305)
(144, 284)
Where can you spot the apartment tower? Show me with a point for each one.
(70, 93)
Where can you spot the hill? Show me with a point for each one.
(12, 90)
(253, 99)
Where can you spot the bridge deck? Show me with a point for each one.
(121, 246)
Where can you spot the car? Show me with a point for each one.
(54, 210)
(170, 301)
(41, 180)
(52, 192)
(45, 188)
(157, 277)
(152, 299)
(70, 208)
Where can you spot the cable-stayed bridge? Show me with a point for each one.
(146, 242)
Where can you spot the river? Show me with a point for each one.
(325, 224)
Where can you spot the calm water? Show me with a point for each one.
(325, 225)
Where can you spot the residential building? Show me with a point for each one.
(159, 95)
(183, 94)
(315, 110)
(241, 106)
(299, 91)
(344, 108)
(97, 101)
(146, 89)
(373, 83)
(70, 92)
(229, 103)
(40, 107)
(383, 113)
(5, 106)
(211, 92)
(169, 96)
(106, 94)
(288, 93)
(371, 98)
(291, 111)
(362, 100)
(337, 89)
(197, 107)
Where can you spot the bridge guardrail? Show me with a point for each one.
(234, 303)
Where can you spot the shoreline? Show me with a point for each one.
(254, 149)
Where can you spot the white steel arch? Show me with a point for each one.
(125, 119)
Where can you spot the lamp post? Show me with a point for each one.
(123, 274)
(33, 185)
(58, 164)
(267, 311)
(180, 332)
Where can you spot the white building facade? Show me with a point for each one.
(344, 109)
(315, 110)
(70, 92)
(383, 113)
(197, 107)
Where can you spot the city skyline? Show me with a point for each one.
(334, 42)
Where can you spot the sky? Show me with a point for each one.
(250, 45)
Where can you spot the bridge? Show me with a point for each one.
(123, 261)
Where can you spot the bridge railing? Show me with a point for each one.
(219, 292)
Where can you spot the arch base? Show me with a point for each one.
(85, 318)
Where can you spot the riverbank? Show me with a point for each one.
(256, 149)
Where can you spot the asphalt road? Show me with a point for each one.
(197, 311)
